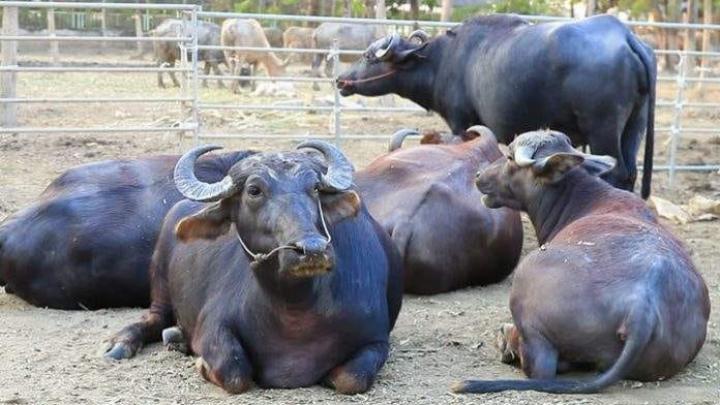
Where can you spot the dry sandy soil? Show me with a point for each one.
(49, 356)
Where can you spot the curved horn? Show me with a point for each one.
(481, 130)
(384, 52)
(340, 170)
(420, 34)
(524, 155)
(399, 136)
(194, 189)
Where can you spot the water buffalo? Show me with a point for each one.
(284, 280)
(609, 288)
(425, 198)
(593, 79)
(248, 33)
(348, 36)
(167, 53)
(274, 36)
(299, 37)
(88, 240)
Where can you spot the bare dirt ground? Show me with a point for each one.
(49, 356)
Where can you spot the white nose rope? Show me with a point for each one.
(259, 257)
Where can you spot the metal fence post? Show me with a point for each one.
(675, 127)
(195, 76)
(8, 80)
(336, 103)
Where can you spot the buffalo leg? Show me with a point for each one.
(603, 134)
(206, 71)
(630, 143)
(358, 373)
(508, 343)
(131, 338)
(160, 82)
(223, 360)
(538, 357)
(176, 83)
(317, 61)
(217, 72)
(235, 71)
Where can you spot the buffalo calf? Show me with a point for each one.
(609, 287)
(284, 280)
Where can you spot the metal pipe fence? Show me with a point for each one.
(190, 119)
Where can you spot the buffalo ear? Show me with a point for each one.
(402, 56)
(338, 206)
(598, 165)
(554, 167)
(209, 223)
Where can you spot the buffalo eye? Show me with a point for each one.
(253, 191)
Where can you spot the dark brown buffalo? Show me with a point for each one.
(425, 198)
(609, 287)
(87, 241)
(284, 280)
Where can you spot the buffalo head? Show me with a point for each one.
(373, 74)
(535, 161)
(279, 203)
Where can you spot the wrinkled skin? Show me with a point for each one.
(318, 313)
(167, 53)
(248, 33)
(425, 198)
(97, 224)
(592, 79)
(609, 289)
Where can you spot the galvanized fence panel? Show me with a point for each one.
(190, 118)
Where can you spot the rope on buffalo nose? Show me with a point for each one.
(260, 257)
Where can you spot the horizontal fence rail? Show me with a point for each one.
(190, 125)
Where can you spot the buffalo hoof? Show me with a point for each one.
(506, 343)
(233, 385)
(174, 340)
(119, 351)
(348, 383)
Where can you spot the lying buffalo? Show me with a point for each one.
(609, 288)
(168, 52)
(284, 279)
(593, 79)
(425, 198)
(87, 241)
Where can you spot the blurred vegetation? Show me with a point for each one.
(81, 19)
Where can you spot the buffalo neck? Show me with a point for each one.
(559, 204)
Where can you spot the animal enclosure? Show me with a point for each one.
(107, 106)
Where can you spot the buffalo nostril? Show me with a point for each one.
(312, 246)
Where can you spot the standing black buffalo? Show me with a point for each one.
(88, 240)
(592, 79)
(284, 280)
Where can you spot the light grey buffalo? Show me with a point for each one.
(168, 52)
(349, 36)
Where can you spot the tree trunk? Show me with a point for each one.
(8, 80)
(415, 9)
(689, 41)
(590, 6)
(446, 13)
(54, 48)
(673, 13)
(348, 8)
